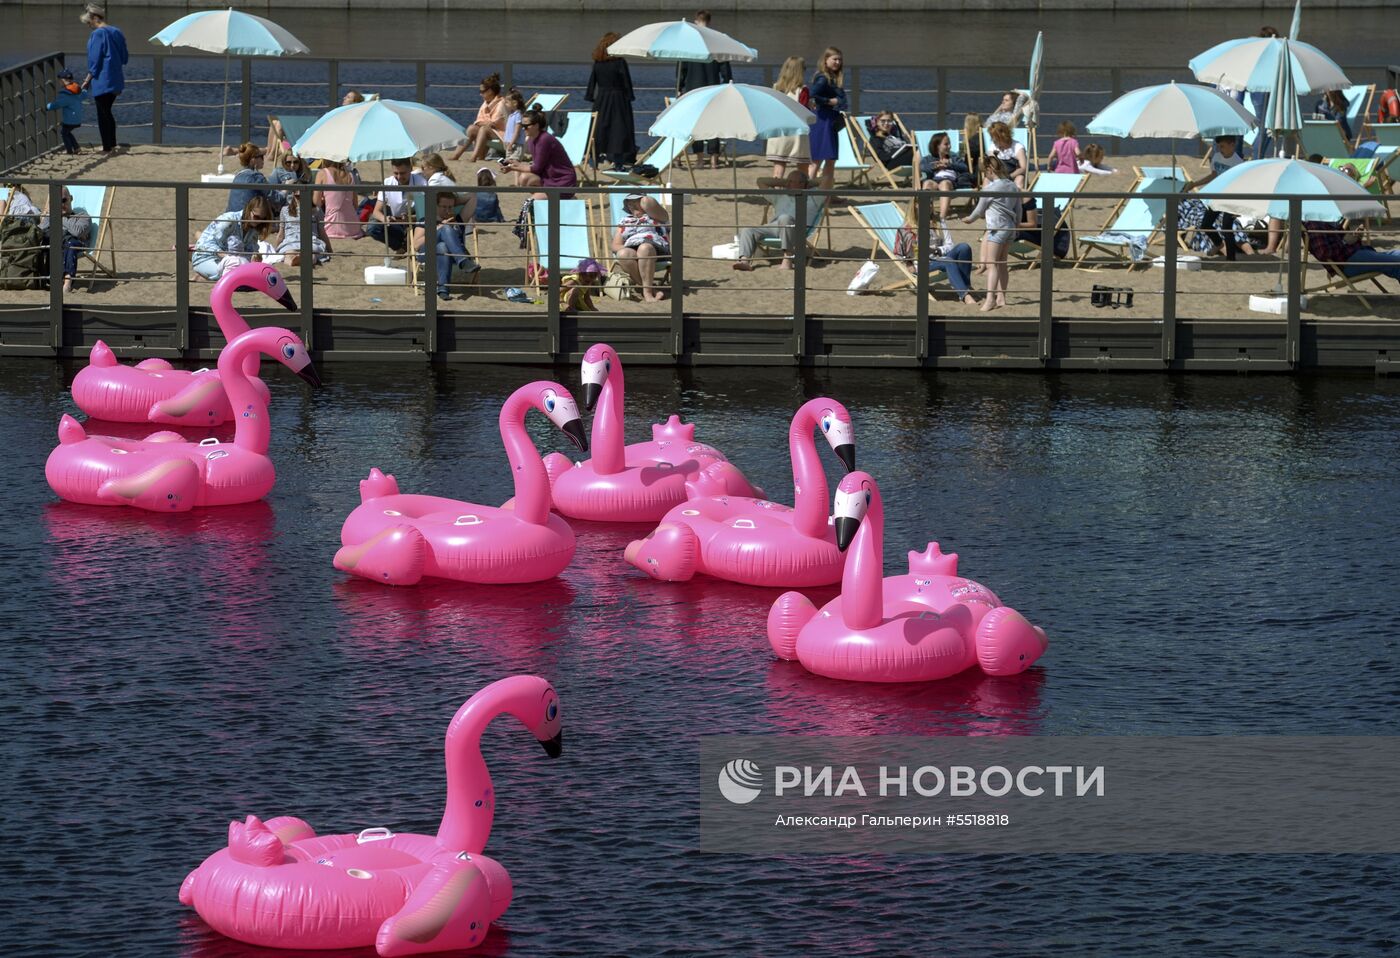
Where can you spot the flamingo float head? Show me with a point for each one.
(853, 497)
(555, 402)
(258, 278)
(287, 349)
(835, 424)
(597, 366)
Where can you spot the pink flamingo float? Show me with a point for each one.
(166, 473)
(279, 885)
(637, 482)
(155, 391)
(926, 625)
(754, 541)
(397, 539)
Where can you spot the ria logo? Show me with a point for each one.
(740, 781)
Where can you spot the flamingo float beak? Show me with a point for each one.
(847, 454)
(591, 392)
(286, 300)
(845, 531)
(554, 747)
(574, 430)
(308, 372)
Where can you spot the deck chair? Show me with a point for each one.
(662, 154)
(1358, 108)
(578, 139)
(922, 139)
(774, 245)
(610, 212)
(420, 203)
(1325, 137)
(1365, 169)
(1046, 183)
(575, 238)
(293, 128)
(883, 221)
(1019, 135)
(547, 102)
(848, 155)
(1338, 281)
(1136, 217)
(1164, 173)
(97, 200)
(858, 127)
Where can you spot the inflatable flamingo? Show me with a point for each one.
(929, 624)
(155, 391)
(635, 483)
(278, 885)
(755, 541)
(166, 473)
(397, 539)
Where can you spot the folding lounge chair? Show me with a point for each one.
(774, 245)
(1045, 184)
(883, 222)
(420, 204)
(575, 238)
(97, 200)
(1358, 109)
(1338, 281)
(857, 127)
(1325, 137)
(578, 140)
(293, 127)
(662, 155)
(848, 156)
(1135, 218)
(547, 102)
(610, 212)
(1019, 135)
(923, 139)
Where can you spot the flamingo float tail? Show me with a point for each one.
(555, 465)
(393, 556)
(669, 552)
(70, 430)
(1007, 644)
(786, 618)
(933, 561)
(102, 356)
(451, 909)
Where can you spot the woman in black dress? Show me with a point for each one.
(610, 92)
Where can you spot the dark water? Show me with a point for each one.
(1209, 555)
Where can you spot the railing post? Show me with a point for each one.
(1115, 80)
(677, 272)
(552, 264)
(855, 90)
(1048, 222)
(182, 267)
(923, 245)
(157, 99)
(431, 279)
(308, 263)
(942, 73)
(1295, 280)
(421, 81)
(799, 274)
(55, 206)
(333, 84)
(507, 75)
(1171, 225)
(247, 85)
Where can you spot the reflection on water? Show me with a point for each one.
(1209, 556)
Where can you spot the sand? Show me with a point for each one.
(144, 232)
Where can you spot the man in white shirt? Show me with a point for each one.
(393, 208)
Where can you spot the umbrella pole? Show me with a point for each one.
(734, 167)
(388, 214)
(223, 116)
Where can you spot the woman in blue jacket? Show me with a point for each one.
(829, 100)
(105, 80)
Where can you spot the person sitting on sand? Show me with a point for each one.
(232, 238)
(450, 248)
(292, 169)
(288, 240)
(1093, 161)
(393, 208)
(782, 226)
(640, 239)
(250, 181)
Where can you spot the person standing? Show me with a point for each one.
(782, 150)
(693, 76)
(105, 78)
(829, 100)
(610, 92)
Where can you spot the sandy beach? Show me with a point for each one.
(142, 223)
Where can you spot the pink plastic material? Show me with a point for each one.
(755, 541)
(277, 884)
(926, 625)
(635, 483)
(397, 539)
(155, 391)
(166, 473)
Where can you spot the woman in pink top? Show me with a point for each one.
(340, 207)
(1066, 150)
(490, 120)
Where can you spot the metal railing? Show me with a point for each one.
(27, 130)
(917, 329)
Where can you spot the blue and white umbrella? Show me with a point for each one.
(230, 32)
(1332, 195)
(1282, 115)
(1034, 86)
(681, 40)
(378, 130)
(1297, 26)
(1174, 111)
(1253, 63)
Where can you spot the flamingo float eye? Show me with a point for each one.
(549, 403)
(272, 280)
(826, 424)
(289, 350)
(867, 497)
(552, 711)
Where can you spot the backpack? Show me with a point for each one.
(24, 254)
(906, 243)
(1388, 110)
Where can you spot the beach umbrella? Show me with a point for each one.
(1174, 111)
(1297, 20)
(1253, 64)
(1282, 115)
(229, 32)
(1034, 85)
(1332, 195)
(739, 111)
(682, 40)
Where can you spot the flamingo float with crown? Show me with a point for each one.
(155, 391)
(396, 539)
(926, 625)
(166, 473)
(754, 541)
(278, 884)
(641, 481)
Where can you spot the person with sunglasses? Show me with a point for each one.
(77, 231)
(549, 163)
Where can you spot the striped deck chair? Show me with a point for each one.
(610, 212)
(1136, 219)
(1338, 281)
(575, 238)
(97, 200)
(662, 155)
(883, 221)
(1047, 183)
(577, 140)
(858, 127)
(293, 128)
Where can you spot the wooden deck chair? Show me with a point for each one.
(578, 141)
(774, 245)
(1325, 137)
(97, 200)
(1358, 109)
(1047, 183)
(293, 128)
(883, 221)
(922, 138)
(1135, 217)
(420, 203)
(663, 155)
(1338, 281)
(859, 127)
(610, 212)
(575, 238)
(1019, 135)
(848, 155)
(547, 102)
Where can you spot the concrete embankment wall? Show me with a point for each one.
(687, 7)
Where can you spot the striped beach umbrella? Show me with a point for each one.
(682, 40)
(1253, 64)
(1174, 111)
(1331, 195)
(378, 130)
(1282, 115)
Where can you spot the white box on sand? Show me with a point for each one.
(385, 276)
(1191, 264)
(725, 251)
(1277, 305)
(216, 178)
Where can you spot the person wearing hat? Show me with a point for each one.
(576, 288)
(105, 78)
(69, 99)
(640, 239)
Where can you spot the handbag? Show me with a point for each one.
(618, 285)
